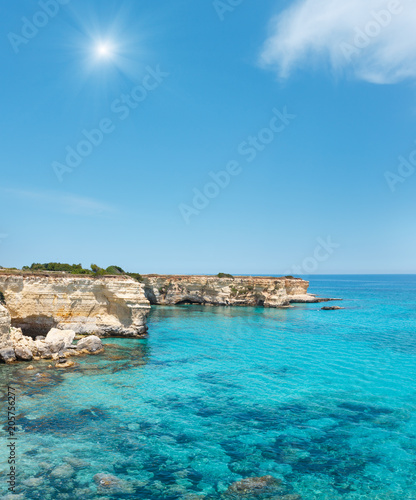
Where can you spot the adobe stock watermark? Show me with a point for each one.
(248, 151)
(223, 7)
(405, 169)
(121, 108)
(31, 27)
(323, 251)
(363, 36)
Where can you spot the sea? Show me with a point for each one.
(323, 402)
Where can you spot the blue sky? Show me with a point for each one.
(311, 121)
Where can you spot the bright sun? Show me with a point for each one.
(103, 50)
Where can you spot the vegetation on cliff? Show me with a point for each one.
(57, 266)
(225, 275)
(79, 270)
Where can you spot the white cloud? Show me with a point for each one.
(372, 40)
(63, 202)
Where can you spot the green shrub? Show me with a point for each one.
(98, 271)
(114, 270)
(225, 275)
(78, 269)
(2, 299)
(57, 266)
(136, 276)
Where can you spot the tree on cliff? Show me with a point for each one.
(98, 271)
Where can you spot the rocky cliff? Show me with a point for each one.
(237, 291)
(5, 323)
(112, 306)
(106, 306)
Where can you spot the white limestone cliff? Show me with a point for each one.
(5, 323)
(105, 306)
(236, 291)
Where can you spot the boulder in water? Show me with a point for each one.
(7, 355)
(64, 363)
(23, 354)
(55, 336)
(91, 344)
(43, 349)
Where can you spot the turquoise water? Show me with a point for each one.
(325, 401)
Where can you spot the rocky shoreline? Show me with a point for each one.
(42, 313)
(57, 346)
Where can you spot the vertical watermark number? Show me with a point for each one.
(11, 438)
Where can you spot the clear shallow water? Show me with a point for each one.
(325, 401)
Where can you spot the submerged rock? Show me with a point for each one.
(12, 496)
(63, 496)
(64, 471)
(56, 336)
(290, 496)
(107, 483)
(90, 344)
(33, 482)
(331, 308)
(64, 363)
(76, 463)
(45, 465)
(253, 486)
(7, 355)
(84, 493)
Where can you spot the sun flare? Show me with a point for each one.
(103, 50)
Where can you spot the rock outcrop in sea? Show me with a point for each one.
(237, 291)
